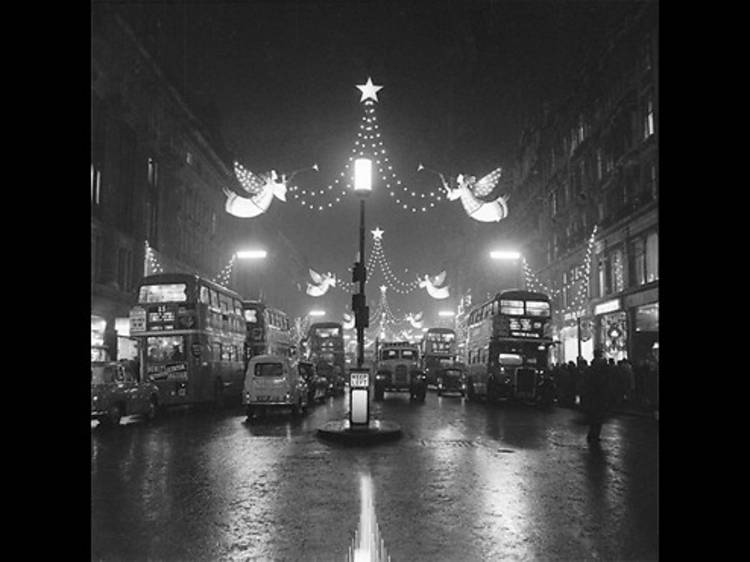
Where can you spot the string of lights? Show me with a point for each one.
(151, 264)
(369, 143)
(225, 275)
(580, 282)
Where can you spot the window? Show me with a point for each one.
(646, 56)
(599, 162)
(601, 268)
(165, 348)
(174, 292)
(269, 370)
(553, 203)
(648, 116)
(653, 189)
(124, 268)
(216, 351)
(637, 262)
(204, 296)
(618, 271)
(152, 202)
(98, 150)
(652, 257)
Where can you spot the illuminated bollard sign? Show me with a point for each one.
(359, 397)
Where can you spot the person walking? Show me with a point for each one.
(596, 394)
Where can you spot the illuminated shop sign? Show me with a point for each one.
(608, 306)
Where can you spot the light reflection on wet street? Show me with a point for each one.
(465, 482)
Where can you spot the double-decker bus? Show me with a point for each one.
(269, 331)
(325, 348)
(191, 336)
(507, 345)
(438, 351)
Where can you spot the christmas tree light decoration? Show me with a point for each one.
(262, 190)
(322, 283)
(431, 285)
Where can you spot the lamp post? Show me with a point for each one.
(363, 187)
(509, 255)
(249, 254)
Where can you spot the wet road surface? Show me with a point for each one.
(466, 481)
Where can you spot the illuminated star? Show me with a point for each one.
(377, 234)
(369, 90)
(383, 289)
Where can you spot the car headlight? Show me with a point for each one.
(287, 396)
(379, 377)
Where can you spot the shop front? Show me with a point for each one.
(643, 308)
(569, 336)
(611, 328)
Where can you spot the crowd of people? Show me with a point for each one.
(624, 386)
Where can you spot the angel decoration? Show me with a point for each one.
(261, 189)
(348, 321)
(415, 320)
(433, 288)
(471, 193)
(322, 282)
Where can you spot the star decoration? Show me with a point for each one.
(369, 90)
(383, 289)
(377, 234)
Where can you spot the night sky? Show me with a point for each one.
(459, 79)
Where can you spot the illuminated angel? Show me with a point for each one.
(322, 282)
(471, 192)
(431, 284)
(261, 188)
(415, 320)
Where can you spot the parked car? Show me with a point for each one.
(317, 385)
(116, 391)
(273, 382)
(451, 379)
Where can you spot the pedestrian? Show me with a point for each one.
(629, 380)
(596, 394)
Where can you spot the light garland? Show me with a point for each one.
(151, 265)
(225, 275)
(367, 144)
(578, 305)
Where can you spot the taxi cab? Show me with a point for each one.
(273, 382)
(116, 392)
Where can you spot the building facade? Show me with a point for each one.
(586, 198)
(156, 181)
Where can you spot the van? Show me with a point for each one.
(273, 381)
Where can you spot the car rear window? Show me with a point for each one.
(268, 370)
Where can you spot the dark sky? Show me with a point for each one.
(458, 79)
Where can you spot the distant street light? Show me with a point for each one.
(317, 313)
(505, 255)
(251, 254)
(243, 279)
(446, 313)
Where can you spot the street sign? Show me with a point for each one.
(359, 378)
(359, 397)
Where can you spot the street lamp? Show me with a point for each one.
(246, 255)
(317, 313)
(509, 255)
(362, 187)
